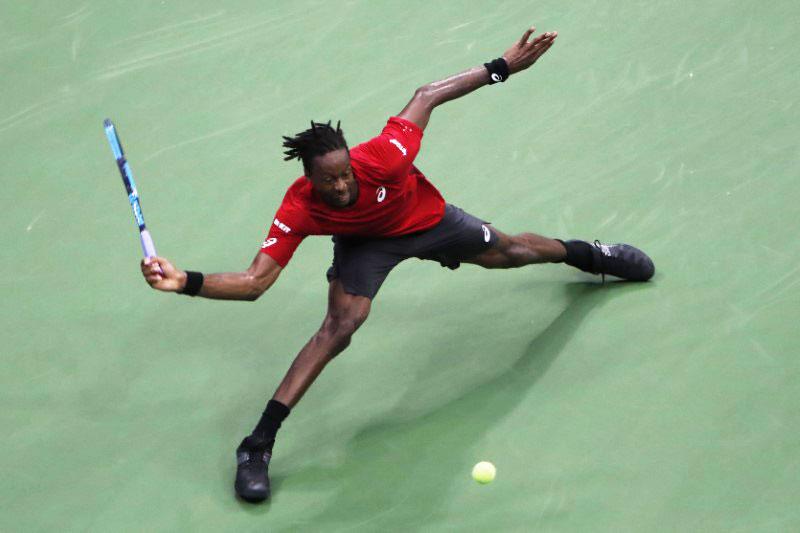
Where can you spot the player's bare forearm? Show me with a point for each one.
(247, 285)
(233, 286)
(519, 57)
(427, 97)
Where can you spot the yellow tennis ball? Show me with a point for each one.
(483, 472)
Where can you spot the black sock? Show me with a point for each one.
(579, 254)
(270, 422)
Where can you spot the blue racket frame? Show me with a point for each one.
(148, 248)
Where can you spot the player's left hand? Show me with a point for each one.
(523, 54)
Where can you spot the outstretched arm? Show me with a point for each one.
(520, 56)
(247, 285)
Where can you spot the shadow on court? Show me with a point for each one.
(404, 468)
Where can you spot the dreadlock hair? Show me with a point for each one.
(318, 140)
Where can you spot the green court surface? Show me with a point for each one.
(667, 406)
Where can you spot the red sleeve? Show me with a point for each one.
(392, 153)
(283, 237)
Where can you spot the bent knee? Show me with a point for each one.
(342, 327)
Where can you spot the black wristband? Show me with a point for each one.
(194, 280)
(498, 70)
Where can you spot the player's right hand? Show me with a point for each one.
(161, 275)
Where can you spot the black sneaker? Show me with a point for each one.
(252, 477)
(621, 260)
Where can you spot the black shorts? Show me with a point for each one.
(361, 264)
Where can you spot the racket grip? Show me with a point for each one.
(148, 248)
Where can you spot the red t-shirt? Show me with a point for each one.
(394, 198)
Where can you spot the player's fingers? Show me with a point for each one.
(541, 51)
(526, 35)
(542, 45)
(544, 38)
(538, 40)
(545, 48)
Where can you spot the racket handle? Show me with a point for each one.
(148, 248)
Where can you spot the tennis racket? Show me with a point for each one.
(148, 248)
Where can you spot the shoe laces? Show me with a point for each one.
(253, 450)
(252, 456)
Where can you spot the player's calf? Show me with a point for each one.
(513, 251)
(530, 248)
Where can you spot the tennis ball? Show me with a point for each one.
(483, 472)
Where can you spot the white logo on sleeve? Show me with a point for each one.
(486, 234)
(381, 194)
(399, 146)
(496, 77)
(269, 242)
(283, 227)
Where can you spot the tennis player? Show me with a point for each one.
(380, 210)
